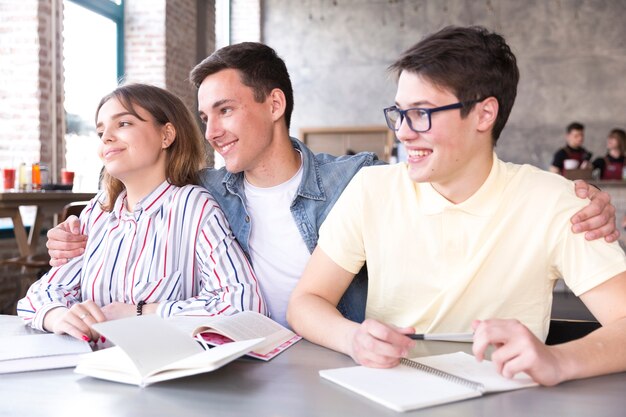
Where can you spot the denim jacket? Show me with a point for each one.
(324, 177)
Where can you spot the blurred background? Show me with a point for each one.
(59, 57)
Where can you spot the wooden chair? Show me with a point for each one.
(41, 261)
(562, 331)
(72, 209)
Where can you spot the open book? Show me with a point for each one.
(149, 349)
(32, 352)
(424, 382)
(217, 330)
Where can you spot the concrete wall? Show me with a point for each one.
(571, 54)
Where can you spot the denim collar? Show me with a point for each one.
(310, 187)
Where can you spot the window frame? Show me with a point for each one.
(114, 12)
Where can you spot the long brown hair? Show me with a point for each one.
(187, 153)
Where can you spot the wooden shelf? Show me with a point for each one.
(338, 140)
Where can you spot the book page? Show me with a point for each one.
(400, 388)
(405, 388)
(113, 364)
(241, 326)
(149, 341)
(466, 366)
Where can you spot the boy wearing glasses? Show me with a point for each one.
(457, 240)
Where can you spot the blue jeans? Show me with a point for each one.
(352, 303)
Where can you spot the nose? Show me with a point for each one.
(404, 132)
(106, 136)
(214, 129)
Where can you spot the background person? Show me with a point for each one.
(573, 155)
(611, 166)
(156, 244)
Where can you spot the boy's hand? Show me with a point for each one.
(65, 241)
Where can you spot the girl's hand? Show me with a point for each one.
(75, 321)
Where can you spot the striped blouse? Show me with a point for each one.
(175, 248)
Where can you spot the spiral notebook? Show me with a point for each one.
(427, 381)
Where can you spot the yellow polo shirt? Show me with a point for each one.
(437, 265)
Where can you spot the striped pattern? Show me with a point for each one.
(175, 248)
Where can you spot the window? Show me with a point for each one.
(93, 64)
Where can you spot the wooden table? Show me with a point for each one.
(46, 202)
(287, 386)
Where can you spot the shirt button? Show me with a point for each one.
(247, 219)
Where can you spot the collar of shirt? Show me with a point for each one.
(479, 204)
(148, 205)
(310, 186)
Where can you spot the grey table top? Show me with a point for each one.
(289, 385)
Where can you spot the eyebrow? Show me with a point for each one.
(222, 102)
(417, 104)
(216, 105)
(117, 116)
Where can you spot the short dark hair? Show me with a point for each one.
(471, 62)
(575, 126)
(260, 68)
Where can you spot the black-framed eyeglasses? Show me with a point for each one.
(418, 119)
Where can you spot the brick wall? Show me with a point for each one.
(181, 49)
(26, 105)
(26, 88)
(162, 43)
(50, 82)
(144, 41)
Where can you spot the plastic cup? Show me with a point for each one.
(67, 177)
(36, 177)
(8, 176)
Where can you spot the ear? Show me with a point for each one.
(278, 103)
(487, 111)
(169, 135)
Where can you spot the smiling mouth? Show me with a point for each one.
(419, 153)
(223, 149)
(111, 153)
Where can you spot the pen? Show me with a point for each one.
(444, 337)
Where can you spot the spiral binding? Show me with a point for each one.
(476, 386)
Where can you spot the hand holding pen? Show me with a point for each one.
(444, 337)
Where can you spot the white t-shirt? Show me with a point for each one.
(277, 250)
